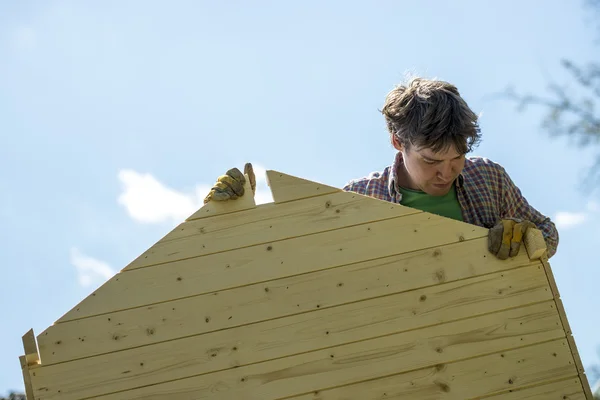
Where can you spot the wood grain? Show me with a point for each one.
(359, 210)
(27, 378)
(569, 389)
(286, 337)
(32, 356)
(353, 370)
(268, 223)
(567, 328)
(313, 252)
(203, 314)
(149, 286)
(535, 244)
(286, 187)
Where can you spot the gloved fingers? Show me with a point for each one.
(226, 182)
(518, 234)
(228, 187)
(219, 195)
(499, 239)
(237, 175)
(220, 192)
(495, 239)
(517, 237)
(507, 234)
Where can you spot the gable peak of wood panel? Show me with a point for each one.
(285, 187)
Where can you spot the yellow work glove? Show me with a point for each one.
(504, 239)
(231, 185)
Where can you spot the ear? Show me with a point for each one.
(396, 143)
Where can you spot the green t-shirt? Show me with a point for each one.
(446, 206)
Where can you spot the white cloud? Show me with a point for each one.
(566, 219)
(90, 271)
(148, 200)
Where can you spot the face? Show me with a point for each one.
(433, 173)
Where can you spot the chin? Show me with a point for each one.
(439, 190)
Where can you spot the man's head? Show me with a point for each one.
(433, 128)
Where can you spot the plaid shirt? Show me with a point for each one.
(485, 192)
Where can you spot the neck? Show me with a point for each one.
(403, 178)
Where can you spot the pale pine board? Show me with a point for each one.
(359, 210)
(317, 371)
(318, 251)
(267, 223)
(462, 380)
(566, 327)
(198, 315)
(276, 339)
(286, 187)
(570, 389)
(147, 286)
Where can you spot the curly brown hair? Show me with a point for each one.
(431, 114)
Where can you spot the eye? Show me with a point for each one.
(429, 161)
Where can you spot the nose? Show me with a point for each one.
(445, 172)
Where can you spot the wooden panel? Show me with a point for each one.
(213, 208)
(569, 389)
(316, 297)
(32, 356)
(535, 244)
(359, 362)
(26, 378)
(267, 223)
(567, 327)
(285, 337)
(286, 187)
(466, 379)
(327, 249)
(147, 286)
(193, 316)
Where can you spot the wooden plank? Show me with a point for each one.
(286, 187)
(26, 378)
(202, 314)
(276, 339)
(535, 244)
(359, 362)
(567, 327)
(213, 208)
(32, 356)
(267, 223)
(319, 251)
(569, 389)
(147, 286)
(467, 379)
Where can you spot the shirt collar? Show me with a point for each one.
(393, 176)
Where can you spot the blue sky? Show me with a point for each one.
(116, 117)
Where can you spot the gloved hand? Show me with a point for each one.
(504, 239)
(231, 185)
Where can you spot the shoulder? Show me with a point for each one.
(482, 168)
(375, 183)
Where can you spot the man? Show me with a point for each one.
(432, 128)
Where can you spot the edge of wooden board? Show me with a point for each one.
(567, 328)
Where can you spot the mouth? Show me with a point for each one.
(442, 185)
